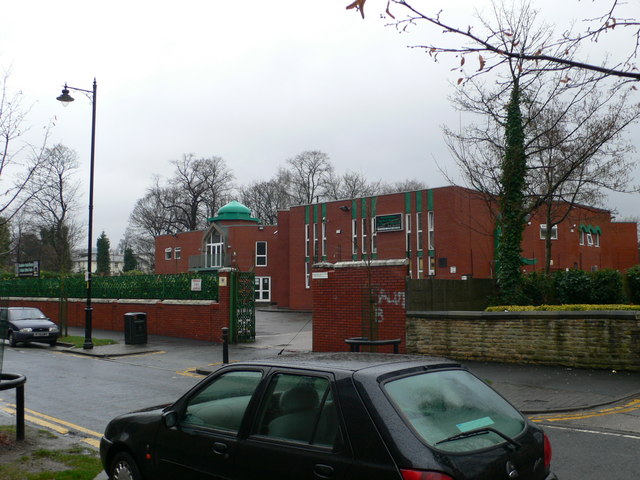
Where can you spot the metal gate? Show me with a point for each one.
(242, 309)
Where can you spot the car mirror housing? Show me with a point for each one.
(170, 418)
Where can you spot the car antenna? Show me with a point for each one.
(294, 337)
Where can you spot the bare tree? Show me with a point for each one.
(310, 172)
(408, 185)
(19, 161)
(201, 186)
(266, 198)
(479, 39)
(350, 185)
(53, 205)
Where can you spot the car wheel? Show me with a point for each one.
(12, 339)
(124, 467)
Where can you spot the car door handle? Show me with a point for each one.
(323, 471)
(220, 448)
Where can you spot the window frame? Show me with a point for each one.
(262, 256)
(543, 230)
(168, 253)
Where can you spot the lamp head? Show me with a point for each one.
(65, 98)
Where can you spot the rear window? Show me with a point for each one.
(454, 411)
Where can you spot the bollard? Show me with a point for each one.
(11, 380)
(225, 345)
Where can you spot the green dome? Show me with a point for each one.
(234, 211)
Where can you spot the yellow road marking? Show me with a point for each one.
(55, 424)
(631, 406)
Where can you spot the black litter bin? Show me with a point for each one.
(135, 328)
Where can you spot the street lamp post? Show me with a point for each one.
(65, 98)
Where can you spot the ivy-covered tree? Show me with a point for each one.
(104, 257)
(511, 221)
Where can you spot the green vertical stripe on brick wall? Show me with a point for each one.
(364, 207)
(429, 199)
(306, 214)
(315, 213)
(407, 202)
(419, 201)
(374, 201)
(354, 209)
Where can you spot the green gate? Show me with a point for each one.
(242, 309)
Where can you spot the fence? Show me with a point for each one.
(440, 295)
(162, 287)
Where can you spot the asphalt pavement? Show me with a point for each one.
(531, 388)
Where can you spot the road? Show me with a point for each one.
(81, 394)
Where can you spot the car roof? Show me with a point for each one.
(353, 362)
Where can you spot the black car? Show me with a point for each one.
(331, 416)
(27, 324)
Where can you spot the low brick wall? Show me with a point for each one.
(599, 339)
(196, 319)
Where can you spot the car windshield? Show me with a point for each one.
(26, 313)
(454, 411)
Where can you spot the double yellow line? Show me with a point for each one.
(57, 425)
(630, 406)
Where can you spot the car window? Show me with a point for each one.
(444, 404)
(222, 403)
(299, 408)
(26, 313)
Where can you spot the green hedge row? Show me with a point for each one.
(163, 287)
(580, 287)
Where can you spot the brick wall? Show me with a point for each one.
(196, 319)
(341, 303)
(609, 340)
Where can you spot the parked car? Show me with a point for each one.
(27, 324)
(331, 416)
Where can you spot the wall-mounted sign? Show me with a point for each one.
(28, 269)
(196, 284)
(389, 223)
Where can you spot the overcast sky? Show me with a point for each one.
(254, 82)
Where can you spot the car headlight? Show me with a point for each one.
(53, 329)
(26, 330)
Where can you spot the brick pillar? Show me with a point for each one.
(358, 299)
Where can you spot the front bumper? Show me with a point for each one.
(44, 337)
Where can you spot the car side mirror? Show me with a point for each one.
(170, 418)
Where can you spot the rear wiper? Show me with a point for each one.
(479, 431)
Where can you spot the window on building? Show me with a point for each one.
(214, 250)
(365, 230)
(261, 254)
(324, 238)
(407, 221)
(177, 252)
(589, 239)
(543, 232)
(419, 233)
(316, 242)
(432, 231)
(374, 236)
(420, 267)
(263, 289)
(168, 253)
(596, 240)
(432, 266)
(354, 236)
(307, 245)
(581, 237)
(307, 275)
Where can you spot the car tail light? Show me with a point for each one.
(548, 453)
(422, 475)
